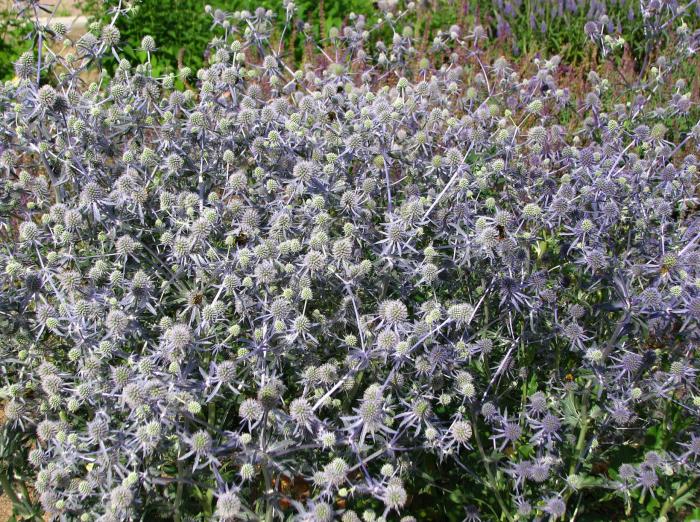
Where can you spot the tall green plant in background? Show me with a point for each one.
(11, 42)
(181, 28)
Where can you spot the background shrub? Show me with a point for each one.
(12, 31)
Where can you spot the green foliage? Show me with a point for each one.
(13, 455)
(180, 27)
(11, 42)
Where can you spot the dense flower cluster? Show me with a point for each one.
(281, 292)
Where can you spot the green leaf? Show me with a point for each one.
(685, 499)
(571, 414)
(653, 504)
(526, 450)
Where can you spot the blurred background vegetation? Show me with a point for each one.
(181, 28)
(12, 42)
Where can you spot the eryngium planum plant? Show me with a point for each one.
(320, 294)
